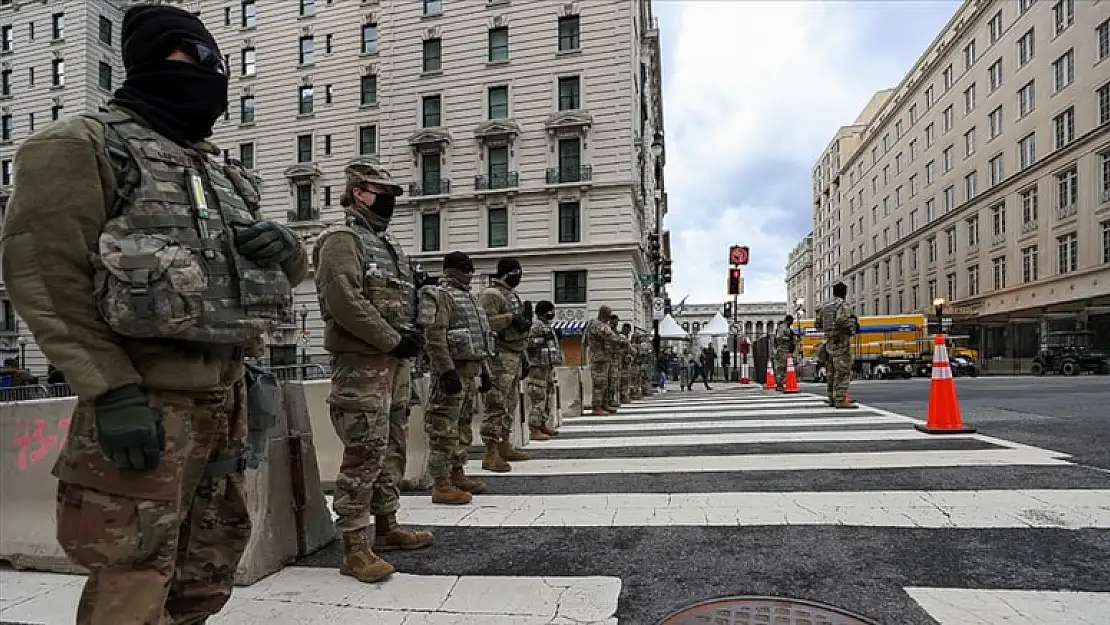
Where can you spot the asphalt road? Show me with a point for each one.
(1067, 414)
(859, 568)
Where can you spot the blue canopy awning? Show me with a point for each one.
(570, 328)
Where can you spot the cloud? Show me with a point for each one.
(753, 91)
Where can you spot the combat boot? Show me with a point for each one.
(493, 461)
(538, 434)
(845, 405)
(389, 536)
(443, 491)
(546, 429)
(613, 409)
(460, 481)
(505, 449)
(599, 410)
(361, 563)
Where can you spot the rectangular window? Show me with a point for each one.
(1026, 47)
(1067, 253)
(368, 90)
(5, 127)
(998, 220)
(969, 142)
(6, 38)
(1104, 104)
(105, 31)
(327, 145)
(930, 97)
(304, 100)
(1102, 39)
(1027, 150)
(430, 175)
(327, 94)
(569, 93)
(499, 102)
(1063, 16)
(497, 168)
(369, 38)
(1067, 189)
(946, 159)
(307, 50)
(6, 172)
(950, 240)
(6, 82)
(950, 284)
(247, 61)
(949, 198)
(995, 170)
(1063, 70)
(994, 122)
(56, 112)
(969, 99)
(569, 222)
(930, 135)
(430, 232)
(433, 7)
(308, 7)
(570, 160)
(994, 26)
(499, 227)
(433, 55)
(930, 209)
(972, 231)
(998, 272)
(304, 149)
(305, 210)
(58, 67)
(969, 55)
(58, 21)
(1029, 264)
(947, 117)
(930, 172)
(246, 109)
(973, 280)
(367, 139)
(569, 33)
(248, 14)
(104, 76)
(947, 77)
(246, 155)
(570, 287)
(994, 75)
(432, 111)
(1029, 210)
(1027, 98)
(499, 44)
(1106, 241)
(1104, 171)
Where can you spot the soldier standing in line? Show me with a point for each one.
(636, 367)
(839, 324)
(151, 496)
(511, 319)
(460, 344)
(367, 297)
(628, 358)
(544, 354)
(616, 354)
(785, 343)
(649, 367)
(598, 345)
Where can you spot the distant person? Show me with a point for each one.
(839, 324)
(785, 343)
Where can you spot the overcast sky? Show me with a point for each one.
(753, 91)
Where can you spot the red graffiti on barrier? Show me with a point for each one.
(36, 437)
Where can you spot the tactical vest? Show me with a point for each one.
(828, 320)
(511, 334)
(166, 266)
(469, 336)
(550, 354)
(387, 279)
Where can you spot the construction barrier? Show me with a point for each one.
(284, 495)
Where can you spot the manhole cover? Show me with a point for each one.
(763, 611)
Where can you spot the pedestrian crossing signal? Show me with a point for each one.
(735, 282)
(738, 255)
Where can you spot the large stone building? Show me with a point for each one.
(516, 128)
(800, 297)
(751, 319)
(983, 179)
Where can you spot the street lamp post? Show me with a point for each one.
(799, 307)
(657, 151)
(22, 352)
(938, 307)
(304, 335)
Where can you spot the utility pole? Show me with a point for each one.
(656, 241)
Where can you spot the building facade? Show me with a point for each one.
(800, 296)
(519, 129)
(752, 319)
(983, 179)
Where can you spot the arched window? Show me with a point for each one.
(686, 325)
(759, 327)
(748, 327)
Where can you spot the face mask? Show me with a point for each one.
(383, 205)
(513, 280)
(549, 318)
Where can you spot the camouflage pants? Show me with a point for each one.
(626, 384)
(778, 361)
(161, 546)
(839, 371)
(541, 396)
(387, 499)
(362, 390)
(599, 376)
(447, 422)
(501, 401)
(615, 373)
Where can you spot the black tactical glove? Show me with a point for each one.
(450, 382)
(486, 383)
(410, 345)
(267, 243)
(520, 323)
(129, 433)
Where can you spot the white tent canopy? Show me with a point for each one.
(669, 329)
(716, 327)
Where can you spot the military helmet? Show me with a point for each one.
(364, 170)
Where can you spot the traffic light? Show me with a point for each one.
(734, 282)
(665, 272)
(738, 255)
(728, 310)
(653, 246)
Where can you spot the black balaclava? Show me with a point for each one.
(545, 310)
(507, 266)
(458, 267)
(179, 100)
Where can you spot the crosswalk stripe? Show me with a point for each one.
(730, 411)
(732, 439)
(959, 606)
(577, 428)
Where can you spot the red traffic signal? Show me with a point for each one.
(738, 255)
(734, 282)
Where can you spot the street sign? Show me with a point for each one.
(647, 278)
(657, 309)
(738, 255)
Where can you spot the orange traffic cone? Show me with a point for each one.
(769, 381)
(944, 409)
(791, 376)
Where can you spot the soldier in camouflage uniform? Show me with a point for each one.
(839, 324)
(617, 351)
(544, 354)
(649, 366)
(785, 342)
(511, 319)
(628, 363)
(599, 344)
(367, 296)
(151, 497)
(460, 344)
(636, 368)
